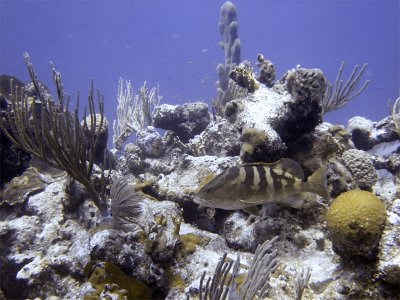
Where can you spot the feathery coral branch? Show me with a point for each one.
(340, 94)
(49, 131)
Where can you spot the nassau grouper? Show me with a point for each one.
(248, 185)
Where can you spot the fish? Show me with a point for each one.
(248, 185)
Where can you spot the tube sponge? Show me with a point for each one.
(356, 220)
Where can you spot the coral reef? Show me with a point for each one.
(306, 84)
(226, 89)
(340, 94)
(20, 188)
(133, 110)
(361, 166)
(243, 76)
(13, 160)
(107, 280)
(258, 146)
(42, 259)
(50, 132)
(100, 134)
(185, 120)
(267, 71)
(281, 117)
(254, 283)
(220, 138)
(356, 220)
(366, 134)
(136, 227)
(150, 142)
(7, 85)
(389, 254)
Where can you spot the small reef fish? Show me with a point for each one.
(248, 185)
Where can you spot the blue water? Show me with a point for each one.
(175, 44)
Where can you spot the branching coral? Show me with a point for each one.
(255, 282)
(264, 263)
(220, 285)
(302, 280)
(133, 110)
(49, 131)
(339, 94)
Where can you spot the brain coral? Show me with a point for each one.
(356, 220)
(361, 166)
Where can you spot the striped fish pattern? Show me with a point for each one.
(244, 186)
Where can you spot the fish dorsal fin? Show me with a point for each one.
(285, 164)
(291, 166)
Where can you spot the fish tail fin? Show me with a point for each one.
(317, 183)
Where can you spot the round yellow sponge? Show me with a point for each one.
(356, 220)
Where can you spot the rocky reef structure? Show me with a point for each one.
(152, 241)
(267, 71)
(185, 120)
(13, 160)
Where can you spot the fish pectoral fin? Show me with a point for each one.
(252, 210)
(296, 200)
